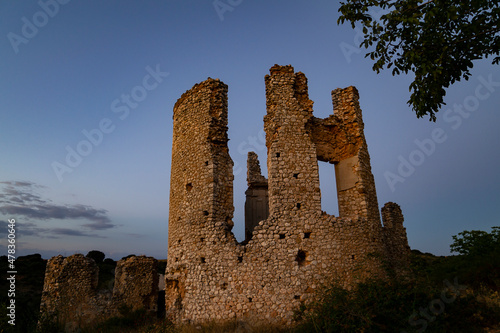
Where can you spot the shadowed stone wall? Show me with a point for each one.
(257, 198)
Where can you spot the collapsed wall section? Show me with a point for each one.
(398, 251)
(136, 283)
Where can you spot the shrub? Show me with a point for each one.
(479, 260)
(98, 256)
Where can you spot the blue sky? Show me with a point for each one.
(113, 70)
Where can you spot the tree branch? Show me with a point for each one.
(497, 29)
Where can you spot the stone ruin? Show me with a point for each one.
(71, 296)
(292, 249)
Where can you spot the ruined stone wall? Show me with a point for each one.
(70, 293)
(340, 140)
(136, 283)
(398, 251)
(70, 290)
(298, 248)
(357, 197)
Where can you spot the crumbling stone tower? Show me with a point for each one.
(295, 248)
(257, 197)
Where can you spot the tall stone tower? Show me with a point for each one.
(201, 184)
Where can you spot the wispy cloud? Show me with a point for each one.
(21, 184)
(21, 199)
(28, 229)
(50, 211)
(3, 227)
(72, 232)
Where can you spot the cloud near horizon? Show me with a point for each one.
(72, 232)
(19, 198)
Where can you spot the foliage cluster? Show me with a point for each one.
(395, 306)
(479, 259)
(29, 285)
(437, 40)
(106, 274)
(444, 294)
(98, 256)
(476, 243)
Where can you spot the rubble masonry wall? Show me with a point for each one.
(71, 297)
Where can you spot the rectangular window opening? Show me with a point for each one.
(328, 187)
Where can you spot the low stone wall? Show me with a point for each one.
(71, 297)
